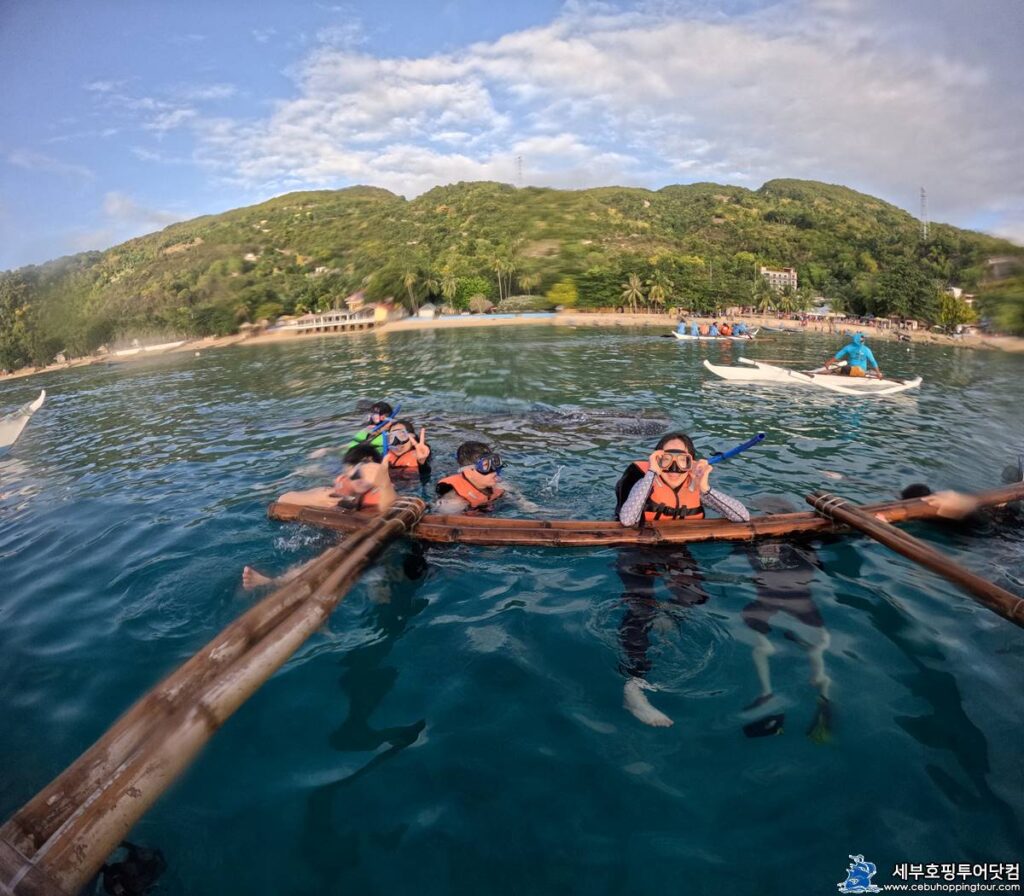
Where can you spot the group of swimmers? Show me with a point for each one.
(671, 484)
(713, 329)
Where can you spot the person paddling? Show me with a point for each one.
(671, 485)
(858, 357)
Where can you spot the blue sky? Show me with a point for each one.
(121, 117)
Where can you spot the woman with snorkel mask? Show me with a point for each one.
(671, 485)
(408, 457)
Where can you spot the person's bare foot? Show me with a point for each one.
(634, 699)
(252, 579)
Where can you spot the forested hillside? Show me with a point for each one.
(695, 246)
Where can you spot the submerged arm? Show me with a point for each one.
(730, 508)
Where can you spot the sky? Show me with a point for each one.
(118, 118)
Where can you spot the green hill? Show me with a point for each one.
(698, 245)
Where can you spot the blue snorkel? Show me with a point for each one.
(385, 422)
(732, 452)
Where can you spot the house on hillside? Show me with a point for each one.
(779, 279)
(356, 301)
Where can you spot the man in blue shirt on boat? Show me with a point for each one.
(858, 357)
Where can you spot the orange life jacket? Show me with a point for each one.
(703, 329)
(350, 500)
(403, 466)
(725, 330)
(474, 497)
(665, 503)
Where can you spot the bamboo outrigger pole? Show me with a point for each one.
(56, 843)
(997, 599)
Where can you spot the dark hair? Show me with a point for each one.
(471, 452)
(916, 490)
(407, 423)
(676, 436)
(382, 408)
(358, 453)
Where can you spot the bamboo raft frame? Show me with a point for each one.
(487, 530)
(58, 840)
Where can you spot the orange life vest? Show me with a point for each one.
(665, 503)
(474, 497)
(350, 500)
(703, 329)
(725, 330)
(403, 466)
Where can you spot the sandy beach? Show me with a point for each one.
(565, 318)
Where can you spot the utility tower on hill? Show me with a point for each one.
(924, 216)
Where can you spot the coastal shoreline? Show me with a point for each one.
(564, 318)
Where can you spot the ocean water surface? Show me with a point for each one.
(463, 731)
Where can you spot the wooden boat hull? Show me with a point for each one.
(490, 530)
(686, 337)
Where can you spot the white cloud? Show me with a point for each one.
(35, 161)
(802, 88)
(123, 209)
(207, 92)
(122, 218)
(168, 121)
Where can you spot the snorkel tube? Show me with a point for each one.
(732, 452)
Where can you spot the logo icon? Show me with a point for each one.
(858, 877)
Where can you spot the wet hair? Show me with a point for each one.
(471, 452)
(916, 490)
(407, 423)
(359, 453)
(676, 437)
(382, 408)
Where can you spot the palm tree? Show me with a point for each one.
(527, 282)
(765, 302)
(656, 294)
(632, 291)
(432, 284)
(409, 281)
(449, 285)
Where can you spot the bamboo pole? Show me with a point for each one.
(33, 824)
(490, 530)
(997, 599)
(74, 852)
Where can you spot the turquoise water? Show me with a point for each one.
(464, 732)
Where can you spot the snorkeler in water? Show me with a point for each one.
(672, 484)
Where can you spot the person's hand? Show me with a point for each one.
(653, 463)
(952, 505)
(701, 474)
(420, 447)
(878, 373)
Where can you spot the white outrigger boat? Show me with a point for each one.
(12, 424)
(686, 337)
(757, 372)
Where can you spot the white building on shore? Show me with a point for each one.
(780, 279)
